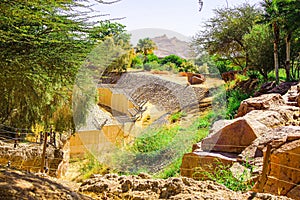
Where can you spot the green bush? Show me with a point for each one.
(155, 140)
(234, 98)
(137, 62)
(152, 58)
(152, 65)
(172, 59)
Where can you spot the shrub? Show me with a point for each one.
(234, 98)
(151, 65)
(137, 62)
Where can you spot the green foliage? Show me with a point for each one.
(151, 65)
(234, 98)
(145, 46)
(40, 52)
(175, 117)
(187, 66)
(223, 33)
(152, 58)
(223, 175)
(91, 166)
(173, 59)
(260, 49)
(155, 140)
(137, 62)
(172, 170)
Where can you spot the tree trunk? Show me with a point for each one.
(276, 42)
(288, 56)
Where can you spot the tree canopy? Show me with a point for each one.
(42, 45)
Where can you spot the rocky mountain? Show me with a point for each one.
(167, 46)
(168, 42)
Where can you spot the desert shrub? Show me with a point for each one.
(172, 59)
(187, 66)
(203, 69)
(152, 58)
(151, 66)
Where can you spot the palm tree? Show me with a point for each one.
(146, 46)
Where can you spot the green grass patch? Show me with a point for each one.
(223, 175)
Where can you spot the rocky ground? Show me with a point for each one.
(16, 185)
(142, 187)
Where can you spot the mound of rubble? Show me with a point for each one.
(111, 186)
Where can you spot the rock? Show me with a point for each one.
(283, 174)
(195, 163)
(15, 185)
(271, 87)
(195, 78)
(263, 102)
(134, 187)
(229, 76)
(234, 137)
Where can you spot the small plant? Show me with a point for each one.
(92, 166)
(223, 175)
(176, 117)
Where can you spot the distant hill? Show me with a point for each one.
(168, 42)
(167, 46)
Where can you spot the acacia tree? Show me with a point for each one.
(223, 34)
(42, 45)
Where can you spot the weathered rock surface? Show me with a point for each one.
(16, 185)
(267, 136)
(234, 137)
(111, 186)
(263, 102)
(281, 173)
(195, 163)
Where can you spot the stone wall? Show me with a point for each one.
(29, 157)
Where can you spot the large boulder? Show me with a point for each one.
(234, 137)
(281, 170)
(195, 78)
(271, 87)
(263, 102)
(197, 162)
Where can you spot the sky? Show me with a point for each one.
(182, 16)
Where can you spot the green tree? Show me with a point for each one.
(173, 59)
(223, 34)
(145, 46)
(260, 49)
(42, 45)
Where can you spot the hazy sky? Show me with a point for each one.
(182, 16)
